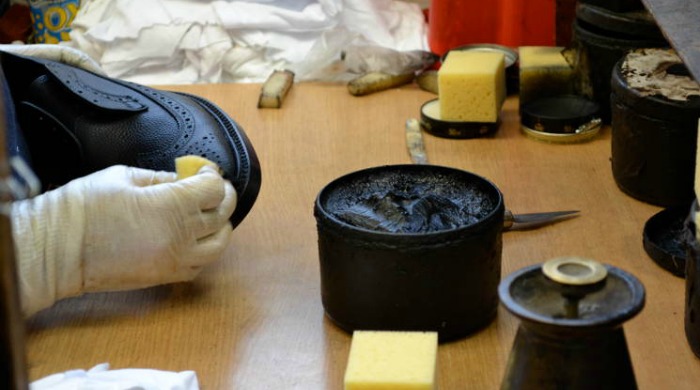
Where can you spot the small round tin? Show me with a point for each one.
(431, 122)
(410, 248)
(560, 119)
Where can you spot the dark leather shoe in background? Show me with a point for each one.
(76, 122)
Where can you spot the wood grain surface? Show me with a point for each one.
(254, 320)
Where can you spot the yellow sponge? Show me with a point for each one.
(187, 166)
(387, 360)
(472, 86)
(544, 72)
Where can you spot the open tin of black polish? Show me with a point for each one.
(412, 248)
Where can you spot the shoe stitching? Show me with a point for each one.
(244, 162)
(182, 115)
(70, 79)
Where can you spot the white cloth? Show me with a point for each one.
(196, 41)
(101, 377)
(117, 229)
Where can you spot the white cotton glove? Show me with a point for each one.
(58, 53)
(117, 229)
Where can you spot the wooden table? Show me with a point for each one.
(254, 320)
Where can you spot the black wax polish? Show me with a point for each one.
(410, 247)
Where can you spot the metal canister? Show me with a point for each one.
(571, 336)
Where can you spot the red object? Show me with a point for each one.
(15, 24)
(512, 23)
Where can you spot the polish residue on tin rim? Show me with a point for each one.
(411, 202)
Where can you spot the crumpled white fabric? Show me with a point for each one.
(101, 377)
(205, 41)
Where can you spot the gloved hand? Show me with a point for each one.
(59, 53)
(117, 229)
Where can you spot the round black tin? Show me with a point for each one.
(431, 122)
(653, 144)
(664, 239)
(444, 281)
(634, 24)
(692, 283)
(601, 38)
(616, 5)
(561, 115)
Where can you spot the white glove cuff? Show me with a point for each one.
(48, 237)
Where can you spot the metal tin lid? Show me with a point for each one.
(562, 119)
(664, 239)
(431, 122)
(607, 298)
(636, 24)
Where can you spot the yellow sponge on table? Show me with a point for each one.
(544, 72)
(189, 165)
(389, 360)
(472, 86)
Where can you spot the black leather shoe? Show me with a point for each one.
(76, 122)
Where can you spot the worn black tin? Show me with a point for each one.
(558, 114)
(653, 144)
(616, 5)
(692, 282)
(552, 351)
(444, 281)
(601, 38)
(664, 238)
(432, 123)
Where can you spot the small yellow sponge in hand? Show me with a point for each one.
(392, 360)
(187, 166)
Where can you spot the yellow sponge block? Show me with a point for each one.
(472, 86)
(189, 165)
(544, 72)
(387, 360)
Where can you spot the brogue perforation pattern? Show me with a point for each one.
(185, 120)
(71, 80)
(244, 163)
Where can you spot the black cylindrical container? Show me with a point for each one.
(560, 348)
(655, 111)
(692, 282)
(616, 5)
(601, 38)
(379, 278)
